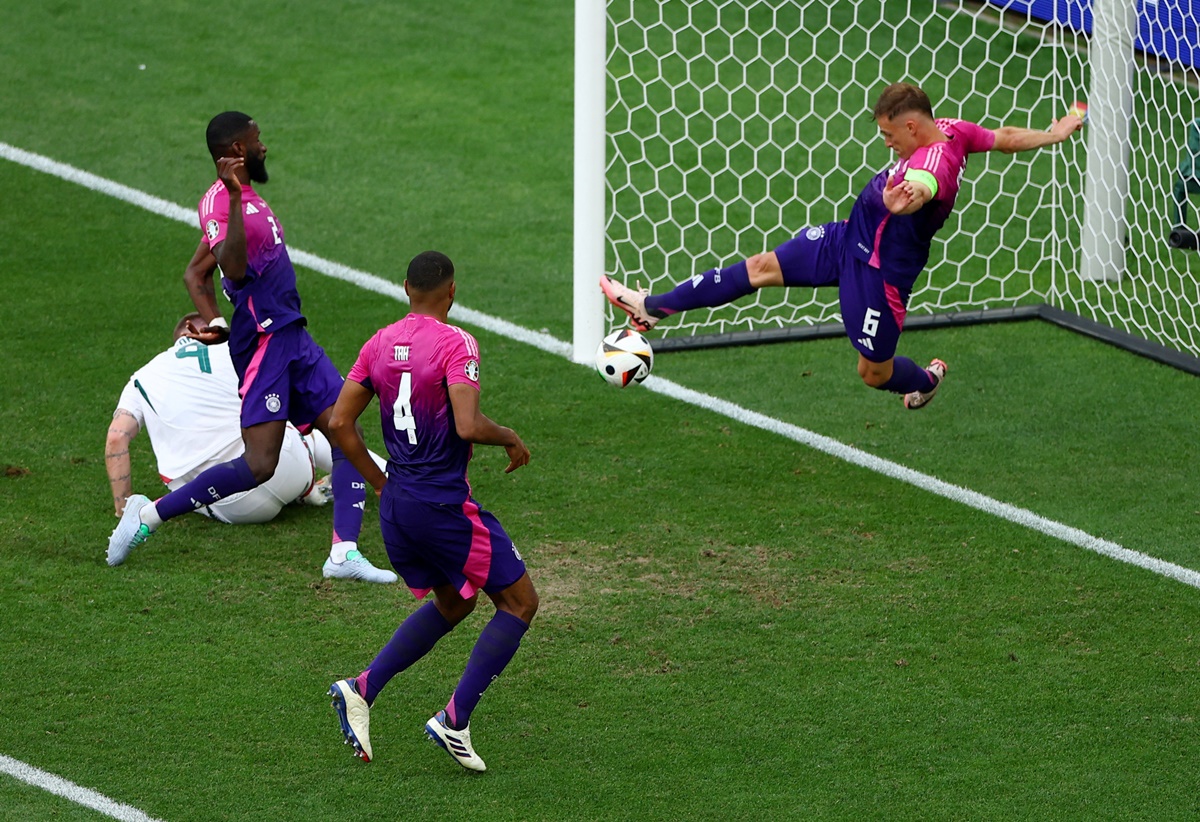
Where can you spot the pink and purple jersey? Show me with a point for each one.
(898, 245)
(410, 365)
(267, 299)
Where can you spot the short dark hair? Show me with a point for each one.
(224, 130)
(181, 326)
(429, 270)
(899, 98)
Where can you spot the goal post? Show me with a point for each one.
(1110, 109)
(591, 23)
(727, 127)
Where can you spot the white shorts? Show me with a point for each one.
(294, 477)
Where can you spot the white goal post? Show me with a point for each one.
(707, 131)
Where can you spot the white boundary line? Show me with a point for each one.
(545, 342)
(973, 499)
(550, 344)
(69, 790)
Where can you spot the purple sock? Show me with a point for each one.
(492, 652)
(349, 493)
(907, 376)
(216, 483)
(707, 290)
(413, 639)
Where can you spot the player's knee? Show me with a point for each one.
(519, 599)
(455, 609)
(874, 375)
(263, 468)
(763, 270)
(462, 610)
(526, 608)
(874, 379)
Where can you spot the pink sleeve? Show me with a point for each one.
(214, 216)
(462, 358)
(977, 137)
(360, 372)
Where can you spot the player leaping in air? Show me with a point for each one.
(875, 257)
(283, 374)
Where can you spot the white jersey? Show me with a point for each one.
(187, 400)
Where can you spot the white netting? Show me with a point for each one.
(732, 126)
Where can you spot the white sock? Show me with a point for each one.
(338, 551)
(149, 517)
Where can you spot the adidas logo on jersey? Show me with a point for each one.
(866, 343)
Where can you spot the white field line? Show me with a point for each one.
(69, 790)
(545, 342)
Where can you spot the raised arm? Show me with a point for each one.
(198, 277)
(117, 463)
(473, 426)
(230, 253)
(1011, 139)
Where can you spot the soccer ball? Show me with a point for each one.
(624, 357)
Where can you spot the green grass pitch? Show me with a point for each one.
(733, 626)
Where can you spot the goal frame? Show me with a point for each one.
(1101, 253)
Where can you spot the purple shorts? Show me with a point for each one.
(432, 544)
(873, 311)
(286, 376)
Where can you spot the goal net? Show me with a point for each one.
(732, 126)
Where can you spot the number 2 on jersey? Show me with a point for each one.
(402, 415)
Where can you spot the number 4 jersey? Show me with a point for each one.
(411, 365)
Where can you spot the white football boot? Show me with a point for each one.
(130, 531)
(455, 743)
(355, 716)
(631, 302)
(356, 566)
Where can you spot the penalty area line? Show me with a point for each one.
(69, 790)
(552, 345)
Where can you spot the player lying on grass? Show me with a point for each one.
(186, 398)
(875, 257)
(426, 374)
(284, 376)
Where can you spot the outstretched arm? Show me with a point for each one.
(1011, 139)
(473, 426)
(124, 428)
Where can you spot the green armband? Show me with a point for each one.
(917, 175)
